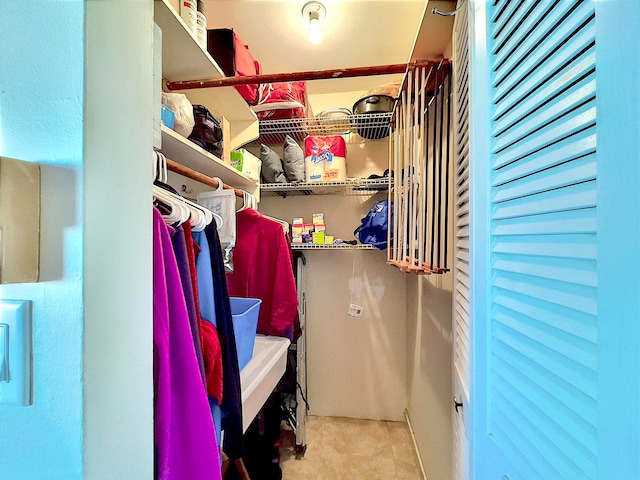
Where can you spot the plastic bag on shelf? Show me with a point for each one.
(180, 105)
(392, 89)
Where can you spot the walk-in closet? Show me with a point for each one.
(333, 239)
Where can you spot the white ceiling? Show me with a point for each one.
(357, 33)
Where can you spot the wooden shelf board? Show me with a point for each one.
(182, 57)
(187, 153)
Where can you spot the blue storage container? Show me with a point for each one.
(167, 116)
(245, 323)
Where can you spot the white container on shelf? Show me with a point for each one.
(201, 24)
(189, 13)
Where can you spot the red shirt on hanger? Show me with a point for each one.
(262, 269)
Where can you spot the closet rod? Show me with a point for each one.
(199, 177)
(300, 76)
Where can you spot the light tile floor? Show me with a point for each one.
(351, 449)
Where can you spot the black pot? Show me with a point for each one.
(377, 126)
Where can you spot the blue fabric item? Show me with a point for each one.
(373, 229)
(216, 413)
(233, 444)
(205, 279)
(207, 309)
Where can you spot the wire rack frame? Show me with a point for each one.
(370, 126)
(361, 186)
(341, 246)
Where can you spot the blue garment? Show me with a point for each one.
(205, 279)
(215, 307)
(233, 444)
(207, 310)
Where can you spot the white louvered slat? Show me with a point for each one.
(543, 373)
(573, 147)
(580, 170)
(531, 47)
(551, 78)
(581, 118)
(544, 61)
(582, 221)
(463, 322)
(530, 121)
(520, 14)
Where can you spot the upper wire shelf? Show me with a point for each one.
(358, 186)
(370, 126)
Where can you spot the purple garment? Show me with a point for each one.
(185, 440)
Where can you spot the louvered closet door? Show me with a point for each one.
(462, 279)
(539, 393)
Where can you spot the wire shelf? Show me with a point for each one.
(370, 126)
(341, 246)
(359, 186)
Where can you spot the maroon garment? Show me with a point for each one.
(185, 439)
(262, 269)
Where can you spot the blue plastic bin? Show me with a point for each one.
(245, 323)
(167, 116)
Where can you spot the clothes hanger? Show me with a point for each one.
(245, 202)
(285, 225)
(178, 213)
(181, 210)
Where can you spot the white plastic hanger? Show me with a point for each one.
(249, 200)
(182, 209)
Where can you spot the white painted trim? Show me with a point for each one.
(415, 444)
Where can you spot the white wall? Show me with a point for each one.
(429, 353)
(356, 367)
(118, 340)
(41, 115)
(430, 356)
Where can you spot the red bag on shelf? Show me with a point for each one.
(282, 100)
(235, 59)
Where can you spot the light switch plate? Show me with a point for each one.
(16, 381)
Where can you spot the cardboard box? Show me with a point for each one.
(328, 239)
(296, 234)
(319, 227)
(247, 163)
(318, 238)
(318, 218)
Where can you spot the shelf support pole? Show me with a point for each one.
(303, 76)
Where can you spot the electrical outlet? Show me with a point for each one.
(355, 311)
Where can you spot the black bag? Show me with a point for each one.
(207, 131)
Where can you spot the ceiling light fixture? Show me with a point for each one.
(313, 13)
